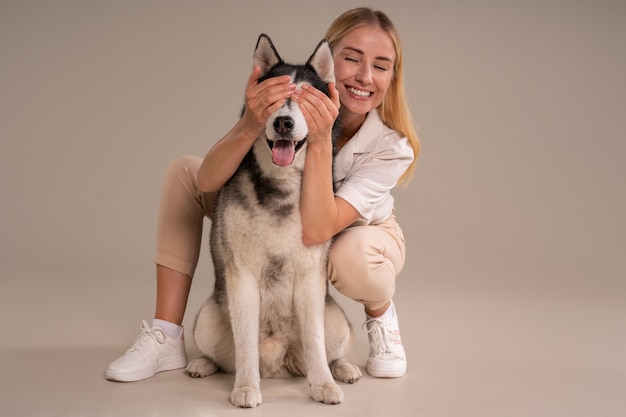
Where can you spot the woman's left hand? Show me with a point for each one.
(319, 111)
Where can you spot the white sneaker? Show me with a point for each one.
(152, 352)
(387, 358)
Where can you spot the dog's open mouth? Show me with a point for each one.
(284, 151)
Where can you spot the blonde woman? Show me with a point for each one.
(377, 150)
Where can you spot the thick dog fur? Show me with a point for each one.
(270, 315)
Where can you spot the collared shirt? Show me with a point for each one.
(369, 166)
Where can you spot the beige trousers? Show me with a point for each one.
(364, 260)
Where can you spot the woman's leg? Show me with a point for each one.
(364, 262)
(182, 209)
(172, 294)
(378, 312)
(181, 215)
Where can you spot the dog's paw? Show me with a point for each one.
(201, 367)
(345, 371)
(327, 393)
(246, 397)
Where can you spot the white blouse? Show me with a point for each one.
(369, 166)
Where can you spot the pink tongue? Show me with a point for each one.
(283, 152)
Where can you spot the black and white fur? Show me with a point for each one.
(270, 315)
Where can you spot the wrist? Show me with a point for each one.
(242, 132)
(320, 146)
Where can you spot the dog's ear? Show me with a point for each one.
(322, 62)
(265, 55)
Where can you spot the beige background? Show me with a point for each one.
(512, 301)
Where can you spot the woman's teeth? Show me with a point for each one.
(359, 93)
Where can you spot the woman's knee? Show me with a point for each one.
(183, 166)
(180, 184)
(360, 269)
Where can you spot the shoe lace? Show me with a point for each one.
(147, 335)
(381, 337)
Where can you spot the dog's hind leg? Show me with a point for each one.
(214, 337)
(309, 294)
(201, 367)
(244, 306)
(338, 335)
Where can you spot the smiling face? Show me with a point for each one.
(364, 62)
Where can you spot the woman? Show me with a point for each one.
(378, 148)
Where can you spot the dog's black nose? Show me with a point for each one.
(283, 125)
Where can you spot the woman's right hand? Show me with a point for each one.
(263, 99)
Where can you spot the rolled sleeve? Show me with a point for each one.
(367, 186)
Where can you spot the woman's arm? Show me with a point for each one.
(262, 99)
(323, 214)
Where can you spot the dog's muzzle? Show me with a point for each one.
(285, 146)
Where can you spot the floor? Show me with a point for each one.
(471, 353)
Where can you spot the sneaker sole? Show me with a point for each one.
(386, 374)
(167, 365)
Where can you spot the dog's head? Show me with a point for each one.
(286, 130)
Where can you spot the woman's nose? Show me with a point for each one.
(364, 74)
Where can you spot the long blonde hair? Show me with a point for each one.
(394, 110)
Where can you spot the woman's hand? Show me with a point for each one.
(263, 99)
(319, 111)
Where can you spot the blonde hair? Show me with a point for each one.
(394, 110)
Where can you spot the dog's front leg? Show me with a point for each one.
(243, 304)
(309, 298)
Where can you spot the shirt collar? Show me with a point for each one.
(368, 135)
(363, 141)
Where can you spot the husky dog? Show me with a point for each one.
(270, 315)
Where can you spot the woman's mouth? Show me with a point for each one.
(358, 93)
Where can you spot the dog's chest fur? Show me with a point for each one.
(257, 228)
